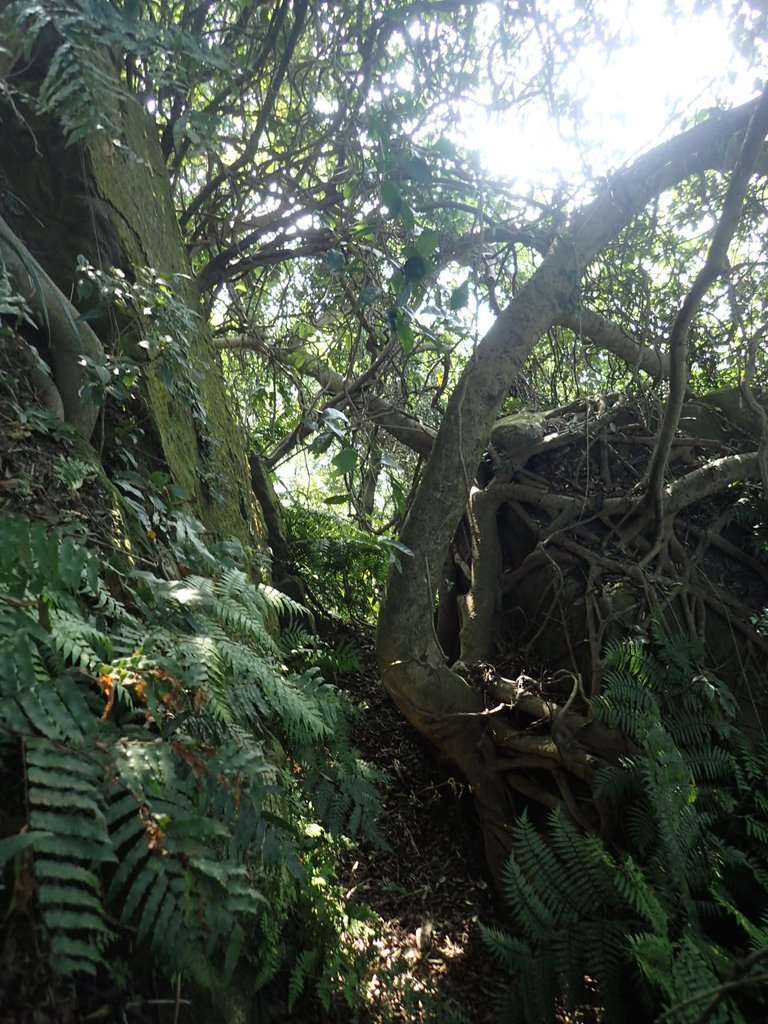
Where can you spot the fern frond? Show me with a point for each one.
(77, 642)
(174, 764)
(694, 804)
(66, 802)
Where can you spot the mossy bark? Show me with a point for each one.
(202, 445)
(112, 204)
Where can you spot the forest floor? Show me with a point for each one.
(427, 885)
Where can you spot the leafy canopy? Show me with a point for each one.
(349, 249)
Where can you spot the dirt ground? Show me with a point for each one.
(430, 886)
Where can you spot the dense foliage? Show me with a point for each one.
(339, 235)
(273, 195)
(176, 782)
(672, 916)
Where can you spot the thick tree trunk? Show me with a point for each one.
(112, 205)
(438, 701)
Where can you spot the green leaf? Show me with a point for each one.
(68, 896)
(151, 905)
(89, 827)
(335, 420)
(459, 296)
(332, 415)
(322, 442)
(390, 463)
(345, 461)
(67, 920)
(72, 559)
(232, 956)
(415, 268)
(364, 231)
(395, 545)
(403, 289)
(398, 495)
(406, 218)
(63, 798)
(391, 197)
(416, 168)
(406, 336)
(67, 949)
(12, 845)
(427, 242)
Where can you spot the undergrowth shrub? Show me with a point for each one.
(334, 660)
(671, 922)
(184, 793)
(344, 569)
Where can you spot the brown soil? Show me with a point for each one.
(429, 886)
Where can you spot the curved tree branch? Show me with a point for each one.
(715, 265)
(711, 478)
(406, 429)
(405, 625)
(38, 373)
(605, 334)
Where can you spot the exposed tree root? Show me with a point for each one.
(560, 555)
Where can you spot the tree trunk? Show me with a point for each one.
(111, 205)
(444, 705)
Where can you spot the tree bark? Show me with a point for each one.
(405, 622)
(113, 205)
(606, 335)
(64, 333)
(410, 657)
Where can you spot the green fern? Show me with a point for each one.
(662, 924)
(175, 768)
(344, 569)
(570, 919)
(65, 802)
(79, 85)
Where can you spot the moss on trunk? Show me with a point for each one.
(112, 204)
